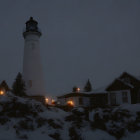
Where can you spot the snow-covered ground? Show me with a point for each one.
(28, 119)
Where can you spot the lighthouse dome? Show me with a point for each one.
(31, 27)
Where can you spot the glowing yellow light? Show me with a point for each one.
(70, 103)
(53, 101)
(47, 100)
(1, 92)
(78, 89)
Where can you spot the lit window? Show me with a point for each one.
(78, 89)
(70, 103)
(1, 92)
(47, 100)
(53, 101)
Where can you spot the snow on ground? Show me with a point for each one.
(96, 135)
(54, 113)
(92, 114)
(7, 134)
(130, 136)
(21, 118)
(133, 108)
(38, 135)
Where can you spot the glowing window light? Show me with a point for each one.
(53, 101)
(47, 100)
(1, 92)
(78, 89)
(70, 103)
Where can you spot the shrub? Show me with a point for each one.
(56, 136)
(53, 124)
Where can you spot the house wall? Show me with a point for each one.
(61, 101)
(119, 97)
(75, 99)
(86, 101)
(98, 100)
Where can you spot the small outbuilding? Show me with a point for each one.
(74, 99)
(84, 99)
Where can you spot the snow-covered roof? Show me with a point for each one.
(100, 90)
(126, 83)
(73, 94)
(83, 94)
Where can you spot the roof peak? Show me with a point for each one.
(31, 18)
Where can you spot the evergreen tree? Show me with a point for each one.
(18, 87)
(88, 86)
(4, 85)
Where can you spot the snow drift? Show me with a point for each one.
(22, 118)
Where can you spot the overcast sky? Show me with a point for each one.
(95, 39)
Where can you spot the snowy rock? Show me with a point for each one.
(23, 118)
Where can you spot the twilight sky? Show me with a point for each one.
(95, 39)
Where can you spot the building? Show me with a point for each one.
(98, 99)
(124, 89)
(4, 88)
(32, 68)
(83, 99)
(74, 99)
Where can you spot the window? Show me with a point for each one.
(124, 97)
(80, 101)
(112, 98)
(127, 80)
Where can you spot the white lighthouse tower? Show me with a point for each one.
(32, 68)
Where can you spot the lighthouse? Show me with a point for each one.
(32, 68)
